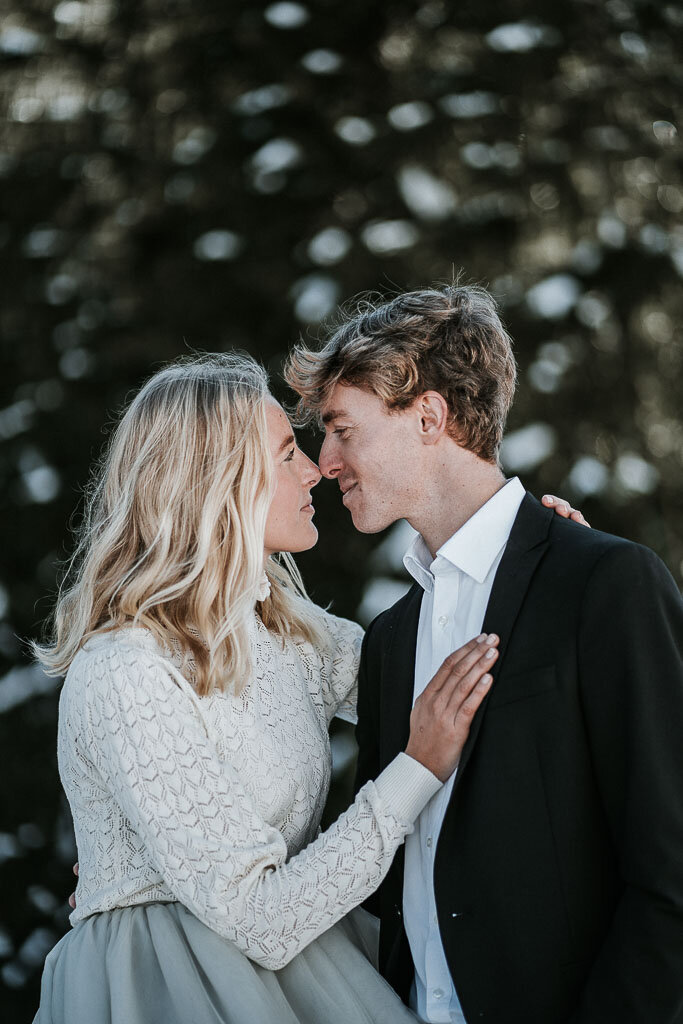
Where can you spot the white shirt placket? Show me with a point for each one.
(457, 585)
(439, 986)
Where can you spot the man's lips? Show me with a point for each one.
(347, 490)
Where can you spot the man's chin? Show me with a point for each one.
(367, 524)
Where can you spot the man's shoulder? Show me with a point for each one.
(565, 534)
(593, 552)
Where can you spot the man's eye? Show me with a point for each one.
(290, 455)
(341, 431)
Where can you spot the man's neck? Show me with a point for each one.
(456, 492)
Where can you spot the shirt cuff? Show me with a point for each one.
(405, 787)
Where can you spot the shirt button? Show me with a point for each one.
(438, 993)
(443, 620)
(435, 919)
(429, 840)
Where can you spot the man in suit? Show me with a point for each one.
(544, 883)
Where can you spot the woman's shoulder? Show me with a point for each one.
(128, 652)
(336, 628)
(110, 643)
(344, 630)
(338, 651)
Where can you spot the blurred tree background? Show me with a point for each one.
(221, 173)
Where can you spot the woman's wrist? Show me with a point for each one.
(405, 787)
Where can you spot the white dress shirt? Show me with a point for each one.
(457, 586)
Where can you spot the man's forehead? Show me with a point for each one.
(346, 400)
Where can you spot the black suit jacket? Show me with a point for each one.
(559, 868)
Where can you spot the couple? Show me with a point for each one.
(518, 823)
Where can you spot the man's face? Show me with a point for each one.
(373, 454)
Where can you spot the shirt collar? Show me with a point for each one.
(475, 546)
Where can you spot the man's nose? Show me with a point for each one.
(329, 463)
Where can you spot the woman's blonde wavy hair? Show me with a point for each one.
(172, 537)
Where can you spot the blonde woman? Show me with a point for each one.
(193, 731)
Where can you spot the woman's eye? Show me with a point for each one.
(290, 455)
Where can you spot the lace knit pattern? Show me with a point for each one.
(216, 801)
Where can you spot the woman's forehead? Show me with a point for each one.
(279, 427)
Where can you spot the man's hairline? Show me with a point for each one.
(334, 414)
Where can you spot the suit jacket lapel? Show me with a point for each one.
(398, 677)
(525, 548)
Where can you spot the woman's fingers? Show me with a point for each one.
(564, 509)
(442, 714)
(459, 662)
(470, 705)
(578, 517)
(467, 694)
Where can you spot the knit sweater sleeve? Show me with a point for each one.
(339, 667)
(200, 827)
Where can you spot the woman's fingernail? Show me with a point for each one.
(490, 653)
(486, 680)
(481, 638)
(491, 638)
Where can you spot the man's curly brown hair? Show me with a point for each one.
(450, 340)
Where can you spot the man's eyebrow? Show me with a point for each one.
(333, 414)
(285, 444)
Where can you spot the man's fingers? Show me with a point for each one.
(72, 897)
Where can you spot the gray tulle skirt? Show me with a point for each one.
(158, 964)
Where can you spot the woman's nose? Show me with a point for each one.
(312, 474)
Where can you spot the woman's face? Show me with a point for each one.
(289, 526)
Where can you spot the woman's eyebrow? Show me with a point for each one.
(290, 439)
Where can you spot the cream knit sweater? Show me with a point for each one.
(216, 801)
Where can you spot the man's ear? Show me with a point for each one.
(433, 416)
